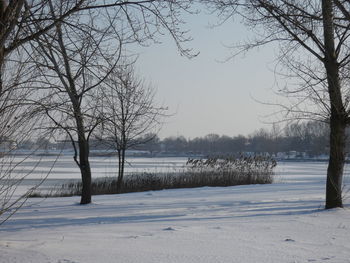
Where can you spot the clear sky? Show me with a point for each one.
(206, 95)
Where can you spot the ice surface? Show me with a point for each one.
(64, 167)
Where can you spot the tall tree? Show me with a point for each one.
(313, 37)
(70, 59)
(129, 112)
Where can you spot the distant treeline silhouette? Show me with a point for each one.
(309, 137)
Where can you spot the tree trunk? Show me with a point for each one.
(2, 47)
(336, 164)
(119, 170)
(2, 62)
(85, 171)
(84, 153)
(121, 154)
(338, 113)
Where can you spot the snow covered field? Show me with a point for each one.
(282, 222)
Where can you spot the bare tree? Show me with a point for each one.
(71, 59)
(17, 125)
(20, 22)
(129, 112)
(313, 37)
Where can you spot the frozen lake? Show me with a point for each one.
(63, 169)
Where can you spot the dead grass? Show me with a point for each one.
(213, 172)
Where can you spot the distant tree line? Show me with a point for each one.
(306, 137)
(310, 137)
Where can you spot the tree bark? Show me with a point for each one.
(2, 44)
(119, 170)
(85, 171)
(121, 155)
(338, 112)
(336, 164)
(2, 62)
(84, 153)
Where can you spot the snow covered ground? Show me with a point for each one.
(282, 222)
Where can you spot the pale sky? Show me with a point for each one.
(205, 95)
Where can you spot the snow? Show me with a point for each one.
(281, 222)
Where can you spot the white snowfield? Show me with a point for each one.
(281, 222)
